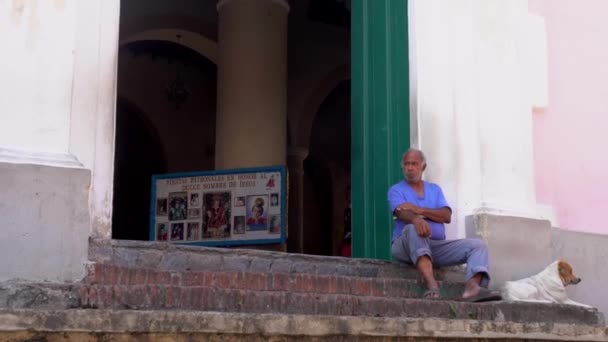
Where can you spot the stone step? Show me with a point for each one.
(152, 275)
(177, 258)
(201, 298)
(173, 325)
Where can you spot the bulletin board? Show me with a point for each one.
(220, 208)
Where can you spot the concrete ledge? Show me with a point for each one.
(74, 325)
(518, 246)
(39, 296)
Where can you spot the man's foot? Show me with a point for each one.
(482, 295)
(432, 293)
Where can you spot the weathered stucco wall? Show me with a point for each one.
(569, 132)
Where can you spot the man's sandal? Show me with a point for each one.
(432, 294)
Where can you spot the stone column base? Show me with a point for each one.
(44, 215)
(519, 247)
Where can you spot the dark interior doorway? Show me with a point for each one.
(138, 156)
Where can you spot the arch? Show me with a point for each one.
(314, 101)
(192, 40)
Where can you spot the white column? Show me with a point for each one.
(57, 99)
(251, 128)
(473, 104)
(94, 103)
(36, 64)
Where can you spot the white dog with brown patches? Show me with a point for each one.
(549, 286)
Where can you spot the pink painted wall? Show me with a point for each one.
(571, 134)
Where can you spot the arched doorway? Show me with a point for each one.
(138, 155)
(166, 126)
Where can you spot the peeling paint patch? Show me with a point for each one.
(59, 4)
(17, 12)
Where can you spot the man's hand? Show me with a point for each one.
(411, 207)
(422, 227)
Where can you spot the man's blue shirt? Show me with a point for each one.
(432, 198)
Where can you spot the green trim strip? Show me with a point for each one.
(380, 118)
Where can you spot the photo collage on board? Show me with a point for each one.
(239, 214)
(193, 216)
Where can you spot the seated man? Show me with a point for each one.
(419, 234)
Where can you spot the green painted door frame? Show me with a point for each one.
(380, 118)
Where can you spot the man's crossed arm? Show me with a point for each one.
(410, 213)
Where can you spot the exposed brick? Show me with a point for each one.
(115, 275)
(108, 273)
(187, 279)
(260, 279)
(132, 277)
(93, 297)
(321, 284)
(123, 276)
(135, 297)
(196, 297)
(333, 284)
(344, 285)
(232, 280)
(377, 287)
(325, 305)
(296, 283)
(221, 280)
(208, 279)
(101, 296)
(241, 280)
(278, 301)
(117, 296)
(232, 300)
(170, 297)
(108, 299)
(392, 287)
(152, 296)
(97, 277)
(198, 279)
(362, 287)
(279, 282)
(249, 302)
(308, 283)
(176, 279)
(344, 305)
(140, 276)
(185, 297)
(240, 300)
(208, 298)
(83, 291)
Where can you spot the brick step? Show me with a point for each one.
(108, 276)
(202, 298)
(170, 257)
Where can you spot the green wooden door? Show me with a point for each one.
(380, 118)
